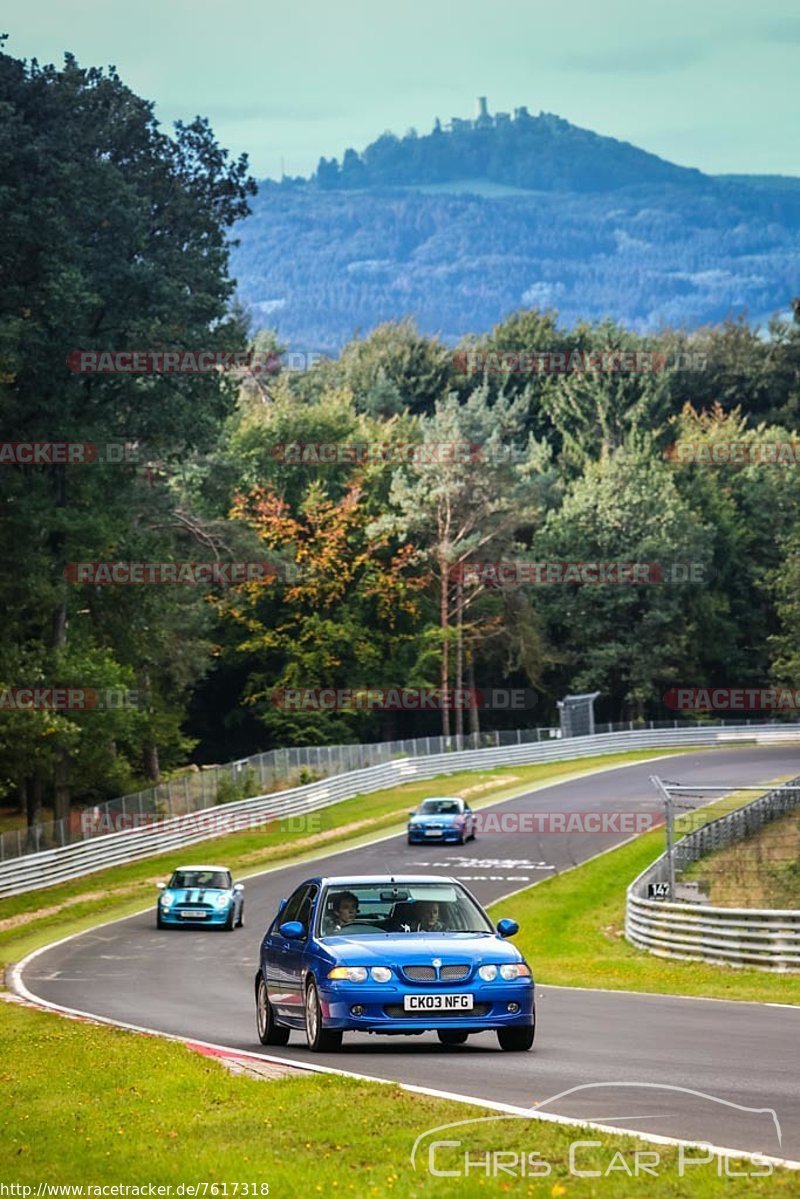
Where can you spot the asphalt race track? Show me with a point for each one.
(199, 985)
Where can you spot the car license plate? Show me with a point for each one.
(432, 832)
(438, 1003)
(193, 915)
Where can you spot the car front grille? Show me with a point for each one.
(454, 974)
(429, 974)
(420, 974)
(397, 1012)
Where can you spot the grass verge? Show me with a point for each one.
(91, 1105)
(761, 872)
(572, 932)
(36, 917)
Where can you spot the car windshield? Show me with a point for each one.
(187, 879)
(440, 807)
(361, 910)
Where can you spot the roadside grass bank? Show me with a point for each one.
(36, 917)
(86, 1104)
(761, 872)
(572, 931)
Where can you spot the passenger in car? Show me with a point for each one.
(427, 916)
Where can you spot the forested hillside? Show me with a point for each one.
(458, 229)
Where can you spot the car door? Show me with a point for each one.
(278, 962)
(469, 825)
(295, 955)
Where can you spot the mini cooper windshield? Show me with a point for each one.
(361, 909)
(189, 879)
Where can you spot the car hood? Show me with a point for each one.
(197, 894)
(433, 818)
(418, 949)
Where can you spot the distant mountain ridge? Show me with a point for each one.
(467, 224)
(543, 153)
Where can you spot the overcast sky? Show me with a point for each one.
(705, 83)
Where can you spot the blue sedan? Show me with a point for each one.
(441, 818)
(201, 895)
(390, 955)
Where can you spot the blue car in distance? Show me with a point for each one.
(441, 818)
(201, 895)
(400, 956)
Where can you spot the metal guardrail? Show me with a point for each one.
(766, 939)
(72, 861)
(201, 788)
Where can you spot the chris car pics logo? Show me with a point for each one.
(503, 1147)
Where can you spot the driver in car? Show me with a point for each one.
(344, 910)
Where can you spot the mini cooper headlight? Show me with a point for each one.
(167, 899)
(488, 973)
(222, 901)
(514, 970)
(380, 974)
(351, 974)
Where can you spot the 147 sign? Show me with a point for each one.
(658, 890)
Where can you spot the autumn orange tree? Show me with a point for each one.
(347, 616)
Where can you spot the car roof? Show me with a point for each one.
(460, 798)
(224, 868)
(389, 880)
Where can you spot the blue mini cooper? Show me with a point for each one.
(390, 955)
(201, 895)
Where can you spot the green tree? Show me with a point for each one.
(113, 236)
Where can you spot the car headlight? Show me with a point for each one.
(508, 971)
(222, 901)
(381, 974)
(167, 899)
(514, 970)
(351, 974)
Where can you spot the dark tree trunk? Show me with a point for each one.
(444, 574)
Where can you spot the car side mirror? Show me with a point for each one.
(161, 886)
(238, 886)
(507, 928)
(293, 930)
(413, 812)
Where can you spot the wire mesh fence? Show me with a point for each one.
(274, 770)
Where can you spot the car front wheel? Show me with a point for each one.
(320, 1040)
(516, 1040)
(269, 1033)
